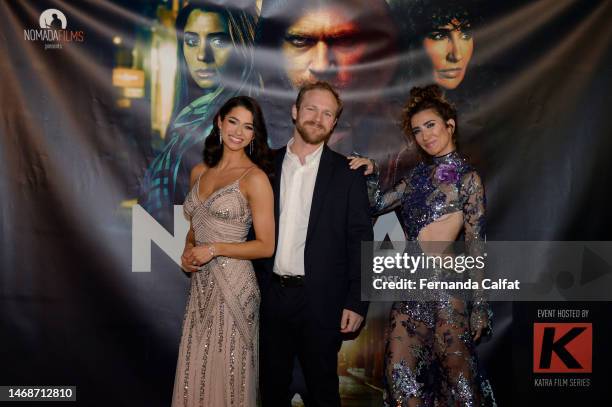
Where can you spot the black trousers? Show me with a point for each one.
(288, 330)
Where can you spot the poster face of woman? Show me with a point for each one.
(207, 47)
(214, 62)
(449, 48)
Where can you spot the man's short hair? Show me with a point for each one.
(319, 85)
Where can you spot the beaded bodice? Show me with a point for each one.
(446, 185)
(225, 216)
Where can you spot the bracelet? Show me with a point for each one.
(211, 250)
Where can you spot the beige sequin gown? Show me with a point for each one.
(217, 364)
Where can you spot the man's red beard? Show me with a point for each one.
(307, 134)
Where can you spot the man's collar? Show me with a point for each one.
(310, 158)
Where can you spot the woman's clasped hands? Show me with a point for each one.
(195, 257)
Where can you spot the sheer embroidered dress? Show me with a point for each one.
(430, 357)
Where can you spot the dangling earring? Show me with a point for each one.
(220, 138)
(251, 147)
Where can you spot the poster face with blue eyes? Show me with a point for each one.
(107, 107)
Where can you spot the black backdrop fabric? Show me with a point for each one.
(535, 119)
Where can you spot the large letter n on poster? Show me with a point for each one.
(145, 230)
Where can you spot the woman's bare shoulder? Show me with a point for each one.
(196, 172)
(256, 179)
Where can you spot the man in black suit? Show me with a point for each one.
(313, 291)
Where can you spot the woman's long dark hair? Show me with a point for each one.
(261, 154)
(241, 23)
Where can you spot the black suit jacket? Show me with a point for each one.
(339, 221)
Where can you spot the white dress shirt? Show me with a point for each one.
(296, 189)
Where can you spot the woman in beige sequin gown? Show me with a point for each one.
(218, 356)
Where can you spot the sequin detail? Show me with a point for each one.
(232, 364)
(187, 361)
(430, 358)
(222, 315)
(463, 391)
(405, 385)
(424, 195)
(221, 320)
(209, 325)
(243, 375)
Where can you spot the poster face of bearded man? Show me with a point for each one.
(330, 42)
(351, 44)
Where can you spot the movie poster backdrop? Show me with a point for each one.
(105, 106)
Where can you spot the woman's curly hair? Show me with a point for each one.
(424, 98)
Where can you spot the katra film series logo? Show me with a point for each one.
(563, 347)
(53, 30)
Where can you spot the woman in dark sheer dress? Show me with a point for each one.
(430, 357)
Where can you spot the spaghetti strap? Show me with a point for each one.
(245, 173)
(198, 183)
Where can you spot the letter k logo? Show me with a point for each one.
(562, 348)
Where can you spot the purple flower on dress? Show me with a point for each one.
(447, 173)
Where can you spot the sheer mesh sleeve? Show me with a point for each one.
(383, 202)
(474, 207)
(474, 226)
